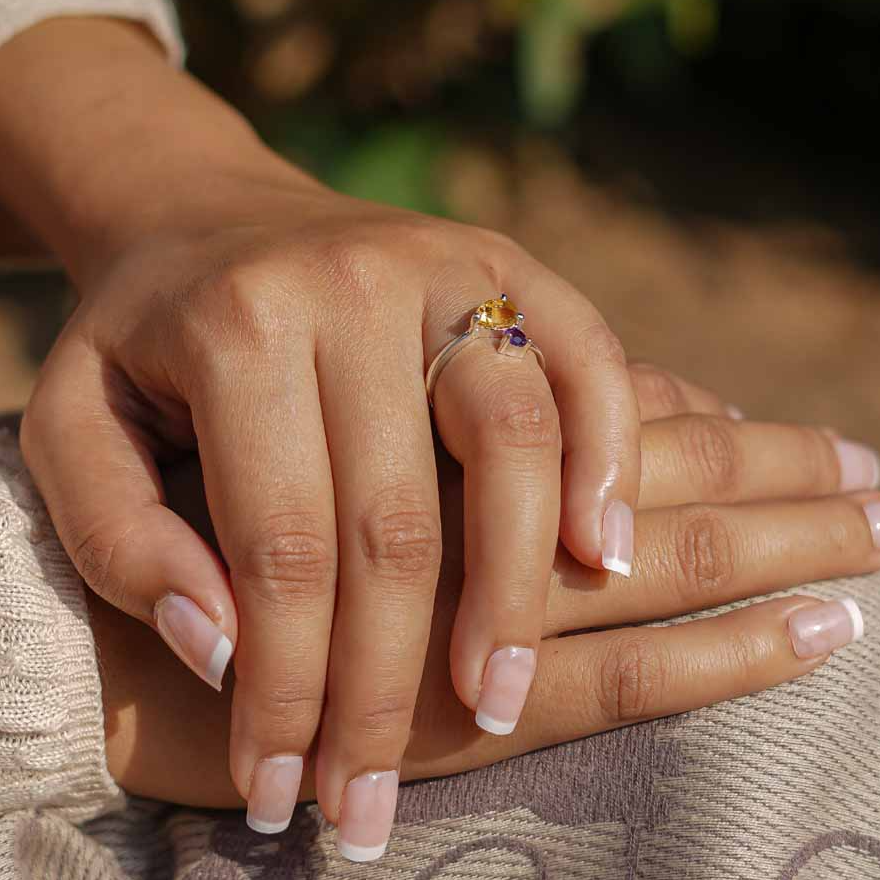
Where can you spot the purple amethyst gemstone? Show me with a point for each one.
(517, 337)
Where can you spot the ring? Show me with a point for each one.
(497, 319)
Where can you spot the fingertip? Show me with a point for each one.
(618, 539)
(194, 638)
(465, 680)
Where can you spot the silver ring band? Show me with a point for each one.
(494, 319)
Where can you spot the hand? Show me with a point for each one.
(728, 511)
(231, 304)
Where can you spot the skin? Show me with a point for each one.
(711, 533)
(230, 302)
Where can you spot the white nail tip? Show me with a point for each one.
(218, 663)
(619, 566)
(855, 615)
(360, 853)
(492, 725)
(267, 827)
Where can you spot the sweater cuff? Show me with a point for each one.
(158, 15)
(52, 755)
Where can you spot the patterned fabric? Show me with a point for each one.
(158, 15)
(784, 785)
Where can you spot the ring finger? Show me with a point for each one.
(497, 417)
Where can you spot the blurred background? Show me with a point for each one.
(704, 170)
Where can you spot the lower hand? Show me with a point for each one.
(729, 510)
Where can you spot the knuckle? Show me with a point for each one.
(401, 536)
(743, 654)
(289, 559)
(597, 346)
(93, 557)
(660, 388)
(388, 716)
(819, 463)
(710, 450)
(355, 267)
(846, 530)
(521, 419)
(284, 711)
(493, 238)
(632, 678)
(704, 554)
(236, 303)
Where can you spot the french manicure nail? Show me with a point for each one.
(735, 412)
(196, 640)
(820, 629)
(367, 815)
(617, 538)
(506, 682)
(872, 511)
(859, 466)
(273, 792)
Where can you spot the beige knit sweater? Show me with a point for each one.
(783, 785)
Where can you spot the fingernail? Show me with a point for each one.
(735, 413)
(859, 466)
(872, 511)
(820, 629)
(617, 538)
(506, 682)
(273, 792)
(367, 815)
(191, 634)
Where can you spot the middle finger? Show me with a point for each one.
(387, 511)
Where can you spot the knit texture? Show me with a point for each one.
(158, 15)
(51, 721)
(781, 785)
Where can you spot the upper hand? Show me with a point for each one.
(284, 331)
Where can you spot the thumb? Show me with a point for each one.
(97, 474)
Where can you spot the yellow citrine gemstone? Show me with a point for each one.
(497, 314)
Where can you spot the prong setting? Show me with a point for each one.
(495, 318)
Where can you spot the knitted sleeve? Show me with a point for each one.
(52, 757)
(158, 15)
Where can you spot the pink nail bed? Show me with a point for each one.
(506, 682)
(872, 512)
(367, 816)
(617, 538)
(273, 792)
(859, 466)
(194, 637)
(820, 629)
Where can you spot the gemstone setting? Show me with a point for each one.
(497, 314)
(516, 337)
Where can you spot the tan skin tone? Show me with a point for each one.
(713, 529)
(230, 301)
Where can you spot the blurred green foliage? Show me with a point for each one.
(372, 95)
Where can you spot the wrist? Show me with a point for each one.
(109, 143)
